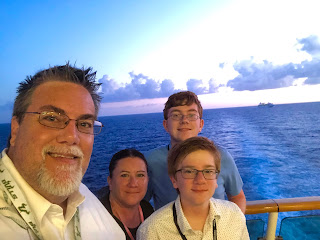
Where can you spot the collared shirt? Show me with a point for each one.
(230, 223)
(95, 221)
(160, 186)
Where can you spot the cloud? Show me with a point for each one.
(258, 76)
(214, 86)
(140, 87)
(196, 86)
(310, 45)
(251, 76)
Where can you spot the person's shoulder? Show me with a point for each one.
(225, 154)
(103, 192)
(222, 150)
(163, 214)
(157, 152)
(83, 189)
(89, 196)
(225, 206)
(146, 208)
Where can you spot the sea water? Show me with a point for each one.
(276, 149)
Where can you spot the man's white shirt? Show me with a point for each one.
(95, 221)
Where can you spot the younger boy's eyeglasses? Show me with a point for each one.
(190, 173)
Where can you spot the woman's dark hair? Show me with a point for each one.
(130, 152)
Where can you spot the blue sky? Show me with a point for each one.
(231, 53)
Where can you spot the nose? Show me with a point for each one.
(70, 134)
(200, 179)
(184, 118)
(133, 182)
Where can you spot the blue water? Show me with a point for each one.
(276, 149)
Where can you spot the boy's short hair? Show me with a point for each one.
(178, 153)
(182, 99)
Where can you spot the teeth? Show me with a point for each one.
(59, 155)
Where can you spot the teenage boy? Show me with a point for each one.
(193, 167)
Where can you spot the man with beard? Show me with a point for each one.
(49, 149)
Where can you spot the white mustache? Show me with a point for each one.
(74, 151)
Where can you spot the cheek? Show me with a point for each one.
(214, 185)
(86, 146)
(172, 124)
(117, 185)
(144, 183)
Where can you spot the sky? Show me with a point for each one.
(231, 53)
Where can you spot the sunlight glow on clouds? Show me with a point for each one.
(242, 75)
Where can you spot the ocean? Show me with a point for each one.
(276, 149)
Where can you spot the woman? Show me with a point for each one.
(128, 182)
(193, 167)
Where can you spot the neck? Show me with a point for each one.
(173, 143)
(128, 215)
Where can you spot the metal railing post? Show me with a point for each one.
(272, 225)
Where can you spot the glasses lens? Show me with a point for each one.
(189, 173)
(97, 127)
(209, 174)
(89, 126)
(192, 117)
(53, 119)
(176, 116)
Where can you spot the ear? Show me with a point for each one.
(201, 124)
(109, 183)
(174, 182)
(165, 124)
(14, 130)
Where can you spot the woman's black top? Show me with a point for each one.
(147, 210)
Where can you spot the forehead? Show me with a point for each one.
(74, 99)
(130, 163)
(185, 108)
(199, 158)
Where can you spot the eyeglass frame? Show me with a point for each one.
(193, 169)
(181, 116)
(62, 114)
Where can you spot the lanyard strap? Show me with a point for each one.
(127, 229)
(181, 234)
(13, 192)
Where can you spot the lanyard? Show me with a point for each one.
(10, 187)
(127, 229)
(181, 234)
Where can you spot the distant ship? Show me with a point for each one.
(265, 104)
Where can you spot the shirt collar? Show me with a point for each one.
(183, 223)
(181, 219)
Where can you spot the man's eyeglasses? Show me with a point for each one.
(179, 117)
(60, 120)
(190, 173)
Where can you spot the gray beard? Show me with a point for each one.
(64, 184)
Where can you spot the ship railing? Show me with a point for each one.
(274, 206)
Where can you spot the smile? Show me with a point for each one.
(184, 129)
(199, 190)
(59, 155)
